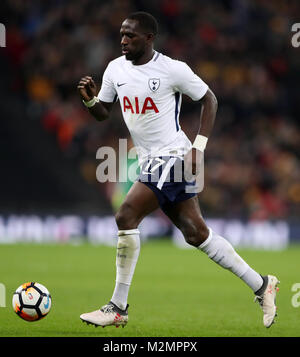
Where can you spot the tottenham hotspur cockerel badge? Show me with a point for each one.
(154, 84)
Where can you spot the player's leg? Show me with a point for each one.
(139, 202)
(186, 215)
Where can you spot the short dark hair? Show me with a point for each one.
(146, 21)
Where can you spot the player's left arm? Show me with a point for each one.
(208, 113)
(190, 84)
(207, 118)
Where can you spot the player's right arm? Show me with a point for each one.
(88, 90)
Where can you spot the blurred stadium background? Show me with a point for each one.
(241, 48)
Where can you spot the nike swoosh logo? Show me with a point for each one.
(120, 84)
(47, 305)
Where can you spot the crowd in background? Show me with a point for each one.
(241, 48)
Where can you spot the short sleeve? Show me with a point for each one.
(107, 92)
(187, 82)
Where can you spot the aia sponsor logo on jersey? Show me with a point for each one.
(138, 107)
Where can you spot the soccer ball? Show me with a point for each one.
(31, 301)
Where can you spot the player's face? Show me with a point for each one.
(133, 41)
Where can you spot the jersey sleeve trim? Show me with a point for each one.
(186, 81)
(107, 92)
(202, 93)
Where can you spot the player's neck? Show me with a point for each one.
(147, 56)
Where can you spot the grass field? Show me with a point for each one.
(175, 292)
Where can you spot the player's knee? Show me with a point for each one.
(193, 239)
(195, 235)
(125, 218)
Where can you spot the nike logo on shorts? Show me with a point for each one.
(120, 84)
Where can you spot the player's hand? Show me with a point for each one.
(87, 88)
(192, 164)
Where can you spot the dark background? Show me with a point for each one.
(241, 48)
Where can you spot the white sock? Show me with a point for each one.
(221, 251)
(120, 295)
(128, 250)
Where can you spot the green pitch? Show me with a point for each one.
(175, 292)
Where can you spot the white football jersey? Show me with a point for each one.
(150, 100)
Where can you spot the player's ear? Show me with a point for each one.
(149, 37)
